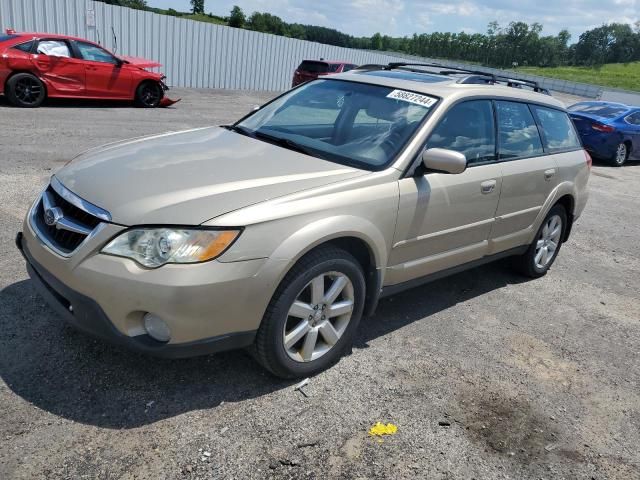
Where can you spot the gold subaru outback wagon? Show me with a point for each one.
(281, 231)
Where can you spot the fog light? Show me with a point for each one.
(157, 328)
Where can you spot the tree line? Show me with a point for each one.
(515, 44)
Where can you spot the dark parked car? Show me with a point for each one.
(312, 69)
(609, 131)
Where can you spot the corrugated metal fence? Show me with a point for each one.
(203, 55)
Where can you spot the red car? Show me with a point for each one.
(312, 69)
(34, 66)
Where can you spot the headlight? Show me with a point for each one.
(154, 247)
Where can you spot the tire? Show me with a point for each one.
(621, 156)
(529, 264)
(25, 90)
(295, 358)
(149, 95)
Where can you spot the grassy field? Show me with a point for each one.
(617, 75)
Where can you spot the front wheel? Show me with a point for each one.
(149, 95)
(621, 155)
(545, 248)
(312, 317)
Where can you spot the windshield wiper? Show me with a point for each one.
(241, 130)
(286, 143)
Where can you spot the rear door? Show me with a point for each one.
(534, 142)
(106, 76)
(54, 62)
(444, 220)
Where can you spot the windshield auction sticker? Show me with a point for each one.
(411, 97)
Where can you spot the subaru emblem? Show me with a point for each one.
(53, 215)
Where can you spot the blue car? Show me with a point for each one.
(609, 131)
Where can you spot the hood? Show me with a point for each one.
(140, 62)
(187, 178)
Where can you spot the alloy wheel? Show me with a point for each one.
(548, 242)
(621, 154)
(318, 317)
(150, 95)
(28, 90)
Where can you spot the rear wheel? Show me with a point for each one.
(313, 315)
(25, 90)
(148, 95)
(545, 248)
(621, 155)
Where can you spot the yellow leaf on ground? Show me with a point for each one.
(380, 429)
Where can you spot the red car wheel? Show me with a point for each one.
(25, 90)
(149, 95)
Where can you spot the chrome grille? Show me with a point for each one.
(63, 220)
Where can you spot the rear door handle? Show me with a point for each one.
(487, 186)
(549, 173)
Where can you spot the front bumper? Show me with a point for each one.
(108, 296)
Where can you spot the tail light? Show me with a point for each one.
(602, 128)
(589, 159)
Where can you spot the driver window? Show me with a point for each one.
(54, 48)
(93, 53)
(468, 128)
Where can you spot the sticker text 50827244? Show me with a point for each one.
(411, 97)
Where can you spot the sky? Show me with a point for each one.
(405, 17)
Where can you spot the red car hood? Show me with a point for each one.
(140, 62)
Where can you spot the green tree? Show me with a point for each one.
(197, 7)
(237, 18)
(376, 41)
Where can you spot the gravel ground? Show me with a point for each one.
(485, 374)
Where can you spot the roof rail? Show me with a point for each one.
(475, 76)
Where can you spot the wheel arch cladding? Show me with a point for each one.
(568, 202)
(366, 244)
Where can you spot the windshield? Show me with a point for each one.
(599, 109)
(365, 126)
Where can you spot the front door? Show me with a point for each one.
(107, 77)
(445, 220)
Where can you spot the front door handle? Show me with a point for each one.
(488, 186)
(549, 173)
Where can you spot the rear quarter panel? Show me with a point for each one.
(574, 179)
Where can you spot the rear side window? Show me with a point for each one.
(518, 135)
(467, 128)
(557, 129)
(348, 67)
(25, 47)
(314, 67)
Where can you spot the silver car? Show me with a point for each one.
(282, 231)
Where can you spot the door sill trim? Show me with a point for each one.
(400, 287)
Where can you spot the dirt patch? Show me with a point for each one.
(510, 426)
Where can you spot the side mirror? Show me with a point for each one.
(444, 161)
(255, 108)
